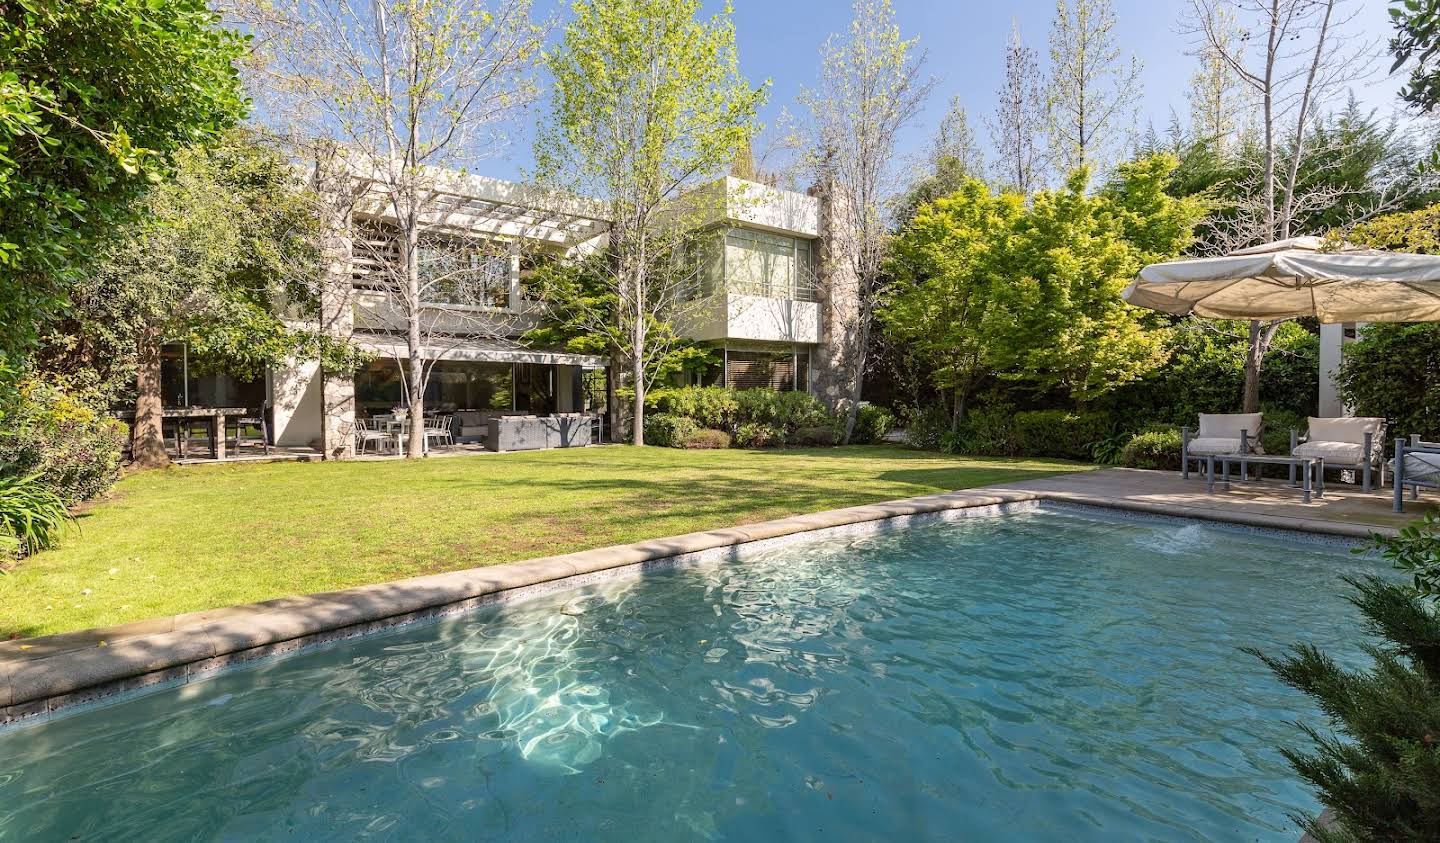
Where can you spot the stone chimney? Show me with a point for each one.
(835, 364)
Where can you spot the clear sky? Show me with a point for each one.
(965, 45)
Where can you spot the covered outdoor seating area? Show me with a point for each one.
(1302, 277)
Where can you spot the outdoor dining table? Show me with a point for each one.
(214, 415)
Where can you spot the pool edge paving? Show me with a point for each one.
(40, 676)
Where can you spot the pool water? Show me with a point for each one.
(1055, 674)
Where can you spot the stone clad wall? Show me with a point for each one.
(337, 312)
(835, 362)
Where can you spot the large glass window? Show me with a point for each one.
(782, 370)
(455, 272)
(454, 385)
(758, 263)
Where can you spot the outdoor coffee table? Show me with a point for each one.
(1308, 466)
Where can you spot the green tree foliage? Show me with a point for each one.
(94, 98)
(221, 247)
(954, 157)
(947, 265)
(985, 284)
(1393, 371)
(648, 99)
(1092, 94)
(1416, 43)
(1380, 770)
(1072, 256)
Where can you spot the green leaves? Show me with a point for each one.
(988, 286)
(32, 517)
(94, 97)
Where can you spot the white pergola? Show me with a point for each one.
(469, 205)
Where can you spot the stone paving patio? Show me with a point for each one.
(1344, 509)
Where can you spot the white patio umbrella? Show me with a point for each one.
(1292, 278)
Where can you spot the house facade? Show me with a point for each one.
(764, 302)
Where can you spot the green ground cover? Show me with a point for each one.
(200, 537)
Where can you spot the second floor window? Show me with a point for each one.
(455, 272)
(758, 263)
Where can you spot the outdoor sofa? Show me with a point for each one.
(1416, 464)
(474, 425)
(1220, 433)
(1350, 443)
(533, 433)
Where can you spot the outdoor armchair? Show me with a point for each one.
(1220, 433)
(1416, 464)
(1351, 443)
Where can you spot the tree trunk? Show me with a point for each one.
(147, 449)
(1261, 338)
(859, 382)
(637, 371)
(958, 415)
(612, 398)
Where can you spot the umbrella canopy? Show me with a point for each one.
(1292, 278)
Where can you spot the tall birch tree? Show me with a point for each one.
(1093, 92)
(1293, 60)
(399, 95)
(1018, 127)
(870, 87)
(648, 103)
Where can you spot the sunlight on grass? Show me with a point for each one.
(200, 537)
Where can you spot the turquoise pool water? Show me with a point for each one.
(1055, 674)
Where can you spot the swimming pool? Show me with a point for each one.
(1053, 674)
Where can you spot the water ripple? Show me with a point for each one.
(1047, 676)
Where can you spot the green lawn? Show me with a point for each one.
(200, 537)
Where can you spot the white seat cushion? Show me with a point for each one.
(1228, 425)
(1424, 467)
(1339, 453)
(1206, 446)
(1347, 429)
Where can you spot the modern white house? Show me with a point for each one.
(764, 303)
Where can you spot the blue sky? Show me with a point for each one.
(965, 43)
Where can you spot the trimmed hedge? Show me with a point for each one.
(743, 413)
(753, 435)
(707, 439)
(1158, 449)
(872, 422)
(669, 431)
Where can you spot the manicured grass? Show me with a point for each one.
(201, 537)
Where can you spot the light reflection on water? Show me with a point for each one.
(1054, 675)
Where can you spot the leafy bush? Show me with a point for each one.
(754, 435)
(720, 408)
(1056, 433)
(62, 439)
(987, 431)
(823, 436)
(872, 422)
(1278, 423)
(707, 439)
(1381, 772)
(667, 431)
(794, 410)
(32, 516)
(709, 406)
(928, 429)
(1416, 552)
(1393, 370)
(1158, 449)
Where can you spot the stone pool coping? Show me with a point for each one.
(43, 675)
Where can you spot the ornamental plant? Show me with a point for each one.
(1377, 767)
